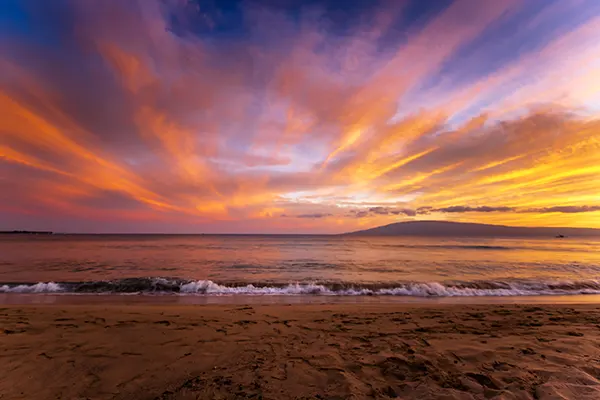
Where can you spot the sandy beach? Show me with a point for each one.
(322, 351)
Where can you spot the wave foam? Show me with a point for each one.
(415, 289)
(429, 289)
(40, 287)
(210, 287)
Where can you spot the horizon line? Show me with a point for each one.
(40, 233)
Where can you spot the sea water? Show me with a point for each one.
(267, 265)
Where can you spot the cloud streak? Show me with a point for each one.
(315, 215)
(172, 118)
(466, 209)
(564, 209)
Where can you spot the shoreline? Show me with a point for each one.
(307, 299)
(280, 351)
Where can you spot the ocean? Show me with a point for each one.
(264, 265)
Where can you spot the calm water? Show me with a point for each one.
(318, 265)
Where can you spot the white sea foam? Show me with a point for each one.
(210, 287)
(415, 289)
(40, 287)
(429, 289)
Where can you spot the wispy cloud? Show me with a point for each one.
(564, 209)
(171, 118)
(464, 209)
(315, 215)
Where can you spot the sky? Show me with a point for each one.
(175, 116)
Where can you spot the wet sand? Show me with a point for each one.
(323, 351)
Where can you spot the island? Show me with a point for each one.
(450, 229)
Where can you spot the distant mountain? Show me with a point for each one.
(445, 228)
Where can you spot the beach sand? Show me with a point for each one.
(323, 351)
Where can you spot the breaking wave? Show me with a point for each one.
(39, 287)
(208, 287)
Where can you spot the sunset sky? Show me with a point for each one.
(297, 116)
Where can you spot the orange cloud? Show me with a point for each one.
(165, 125)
